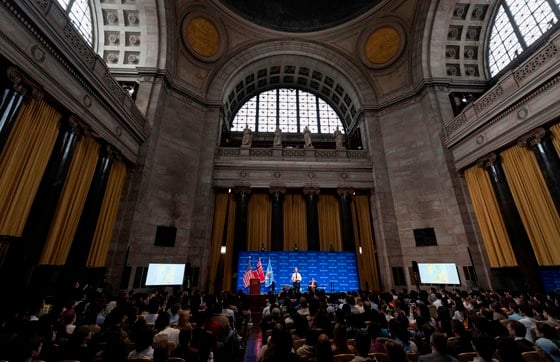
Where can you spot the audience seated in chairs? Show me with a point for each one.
(438, 341)
(363, 343)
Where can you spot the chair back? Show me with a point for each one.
(466, 356)
(344, 357)
(412, 357)
(533, 356)
(380, 357)
(298, 343)
(175, 359)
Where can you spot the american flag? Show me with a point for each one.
(248, 275)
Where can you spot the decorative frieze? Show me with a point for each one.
(535, 62)
(488, 99)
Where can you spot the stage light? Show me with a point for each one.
(229, 191)
(360, 249)
(223, 250)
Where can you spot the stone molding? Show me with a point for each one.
(532, 138)
(43, 38)
(319, 154)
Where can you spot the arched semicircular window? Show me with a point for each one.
(291, 110)
(79, 12)
(517, 25)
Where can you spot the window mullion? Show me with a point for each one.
(318, 117)
(69, 6)
(298, 127)
(554, 8)
(514, 25)
(257, 112)
(277, 108)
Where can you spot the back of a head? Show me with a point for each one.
(509, 350)
(363, 343)
(439, 342)
(519, 328)
(311, 337)
(162, 321)
(485, 345)
(395, 351)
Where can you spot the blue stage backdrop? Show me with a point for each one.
(333, 271)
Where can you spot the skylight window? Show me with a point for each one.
(518, 24)
(291, 110)
(79, 13)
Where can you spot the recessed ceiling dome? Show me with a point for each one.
(299, 15)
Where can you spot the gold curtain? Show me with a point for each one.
(295, 222)
(489, 218)
(71, 202)
(363, 233)
(555, 130)
(328, 210)
(107, 216)
(259, 220)
(534, 203)
(217, 235)
(24, 161)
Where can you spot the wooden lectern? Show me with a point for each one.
(255, 287)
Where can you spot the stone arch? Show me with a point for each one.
(295, 63)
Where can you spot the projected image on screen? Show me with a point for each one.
(438, 273)
(165, 274)
(333, 272)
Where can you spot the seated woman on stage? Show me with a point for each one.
(312, 286)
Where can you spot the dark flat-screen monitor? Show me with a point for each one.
(438, 273)
(165, 274)
(333, 271)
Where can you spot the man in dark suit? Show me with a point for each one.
(438, 341)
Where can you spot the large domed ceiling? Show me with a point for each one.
(299, 15)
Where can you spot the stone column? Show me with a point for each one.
(81, 244)
(277, 229)
(10, 104)
(348, 240)
(44, 205)
(240, 227)
(549, 162)
(311, 197)
(518, 237)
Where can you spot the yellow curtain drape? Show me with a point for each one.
(24, 161)
(363, 233)
(534, 203)
(71, 202)
(492, 228)
(259, 220)
(107, 216)
(555, 130)
(295, 222)
(328, 210)
(217, 234)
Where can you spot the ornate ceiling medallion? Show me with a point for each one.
(203, 37)
(381, 46)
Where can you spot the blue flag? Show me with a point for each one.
(269, 278)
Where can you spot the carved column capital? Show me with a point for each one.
(16, 77)
(489, 160)
(241, 190)
(311, 190)
(277, 190)
(345, 191)
(532, 138)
